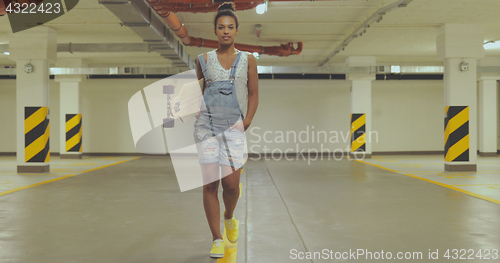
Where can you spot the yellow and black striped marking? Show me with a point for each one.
(36, 135)
(73, 132)
(456, 134)
(358, 130)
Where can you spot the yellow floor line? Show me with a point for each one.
(93, 169)
(64, 177)
(436, 171)
(474, 184)
(230, 249)
(438, 183)
(376, 165)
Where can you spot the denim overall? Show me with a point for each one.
(220, 109)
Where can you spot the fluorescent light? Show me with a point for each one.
(491, 45)
(6, 53)
(395, 69)
(261, 9)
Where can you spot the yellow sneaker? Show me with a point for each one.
(217, 250)
(232, 231)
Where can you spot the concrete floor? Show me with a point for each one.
(484, 183)
(134, 212)
(11, 181)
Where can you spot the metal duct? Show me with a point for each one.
(96, 47)
(138, 16)
(108, 47)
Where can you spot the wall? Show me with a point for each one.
(407, 115)
(105, 121)
(303, 108)
(105, 115)
(7, 115)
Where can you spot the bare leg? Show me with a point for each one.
(210, 197)
(231, 189)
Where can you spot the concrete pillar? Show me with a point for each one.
(488, 108)
(361, 107)
(460, 45)
(70, 112)
(488, 116)
(33, 48)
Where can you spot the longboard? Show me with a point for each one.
(187, 103)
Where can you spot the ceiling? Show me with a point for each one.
(405, 36)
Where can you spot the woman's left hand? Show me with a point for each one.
(240, 126)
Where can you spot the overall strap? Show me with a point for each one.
(204, 69)
(235, 64)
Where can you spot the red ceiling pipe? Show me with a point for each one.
(204, 2)
(221, 1)
(202, 6)
(164, 7)
(205, 6)
(2, 7)
(181, 32)
(282, 50)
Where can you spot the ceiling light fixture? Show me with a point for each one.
(396, 69)
(6, 53)
(491, 45)
(261, 9)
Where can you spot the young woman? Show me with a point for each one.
(230, 75)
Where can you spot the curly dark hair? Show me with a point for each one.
(226, 9)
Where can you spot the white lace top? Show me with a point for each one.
(217, 73)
